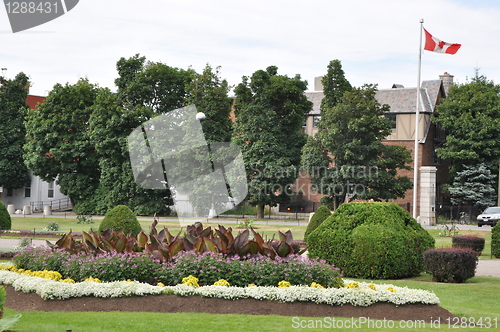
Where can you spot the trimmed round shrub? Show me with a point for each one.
(318, 217)
(450, 264)
(121, 218)
(371, 240)
(495, 240)
(5, 221)
(475, 243)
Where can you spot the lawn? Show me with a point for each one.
(476, 299)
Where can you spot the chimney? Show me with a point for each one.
(318, 86)
(447, 82)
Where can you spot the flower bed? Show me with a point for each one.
(354, 293)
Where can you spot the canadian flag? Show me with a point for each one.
(436, 45)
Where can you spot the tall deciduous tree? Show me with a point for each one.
(364, 168)
(13, 172)
(270, 110)
(347, 159)
(58, 145)
(145, 90)
(470, 115)
(334, 85)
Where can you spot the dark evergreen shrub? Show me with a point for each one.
(318, 217)
(450, 264)
(5, 221)
(371, 240)
(475, 243)
(495, 240)
(121, 217)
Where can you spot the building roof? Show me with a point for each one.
(399, 98)
(402, 99)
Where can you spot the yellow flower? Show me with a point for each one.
(190, 281)
(68, 280)
(391, 289)
(90, 279)
(352, 285)
(372, 287)
(128, 280)
(160, 284)
(221, 282)
(316, 285)
(252, 285)
(284, 283)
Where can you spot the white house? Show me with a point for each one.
(37, 194)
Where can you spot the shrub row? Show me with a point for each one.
(450, 264)
(475, 243)
(208, 267)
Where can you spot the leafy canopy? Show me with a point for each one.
(13, 172)
(270, 110)
(347, 156)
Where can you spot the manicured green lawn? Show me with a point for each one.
(174, 226)
(477, 298)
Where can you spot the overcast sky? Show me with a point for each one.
(376, 41)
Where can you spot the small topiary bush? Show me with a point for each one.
(3, 299)
(121, 217)
(475, 243)
(371, 240)
(5, 221)
(450, 264)
(318, 217)
(495, 240)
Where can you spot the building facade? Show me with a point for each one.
(432, 172)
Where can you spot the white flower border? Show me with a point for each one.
(362, 296)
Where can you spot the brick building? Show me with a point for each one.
(433, 172)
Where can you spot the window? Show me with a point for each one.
(27, 189)
(392, 118)
(10, 192)
(316, 120)
(50, 193)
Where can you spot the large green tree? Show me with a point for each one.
(13, 172)
(58, 146)
(347, 159)
(470, 115)
(145, 90)
(270, 110)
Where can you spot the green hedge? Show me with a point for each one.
(495, 240)
(5, 221)
(121, 217)
(318, 217)
(371, 240)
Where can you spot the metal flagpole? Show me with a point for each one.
(417, 118)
